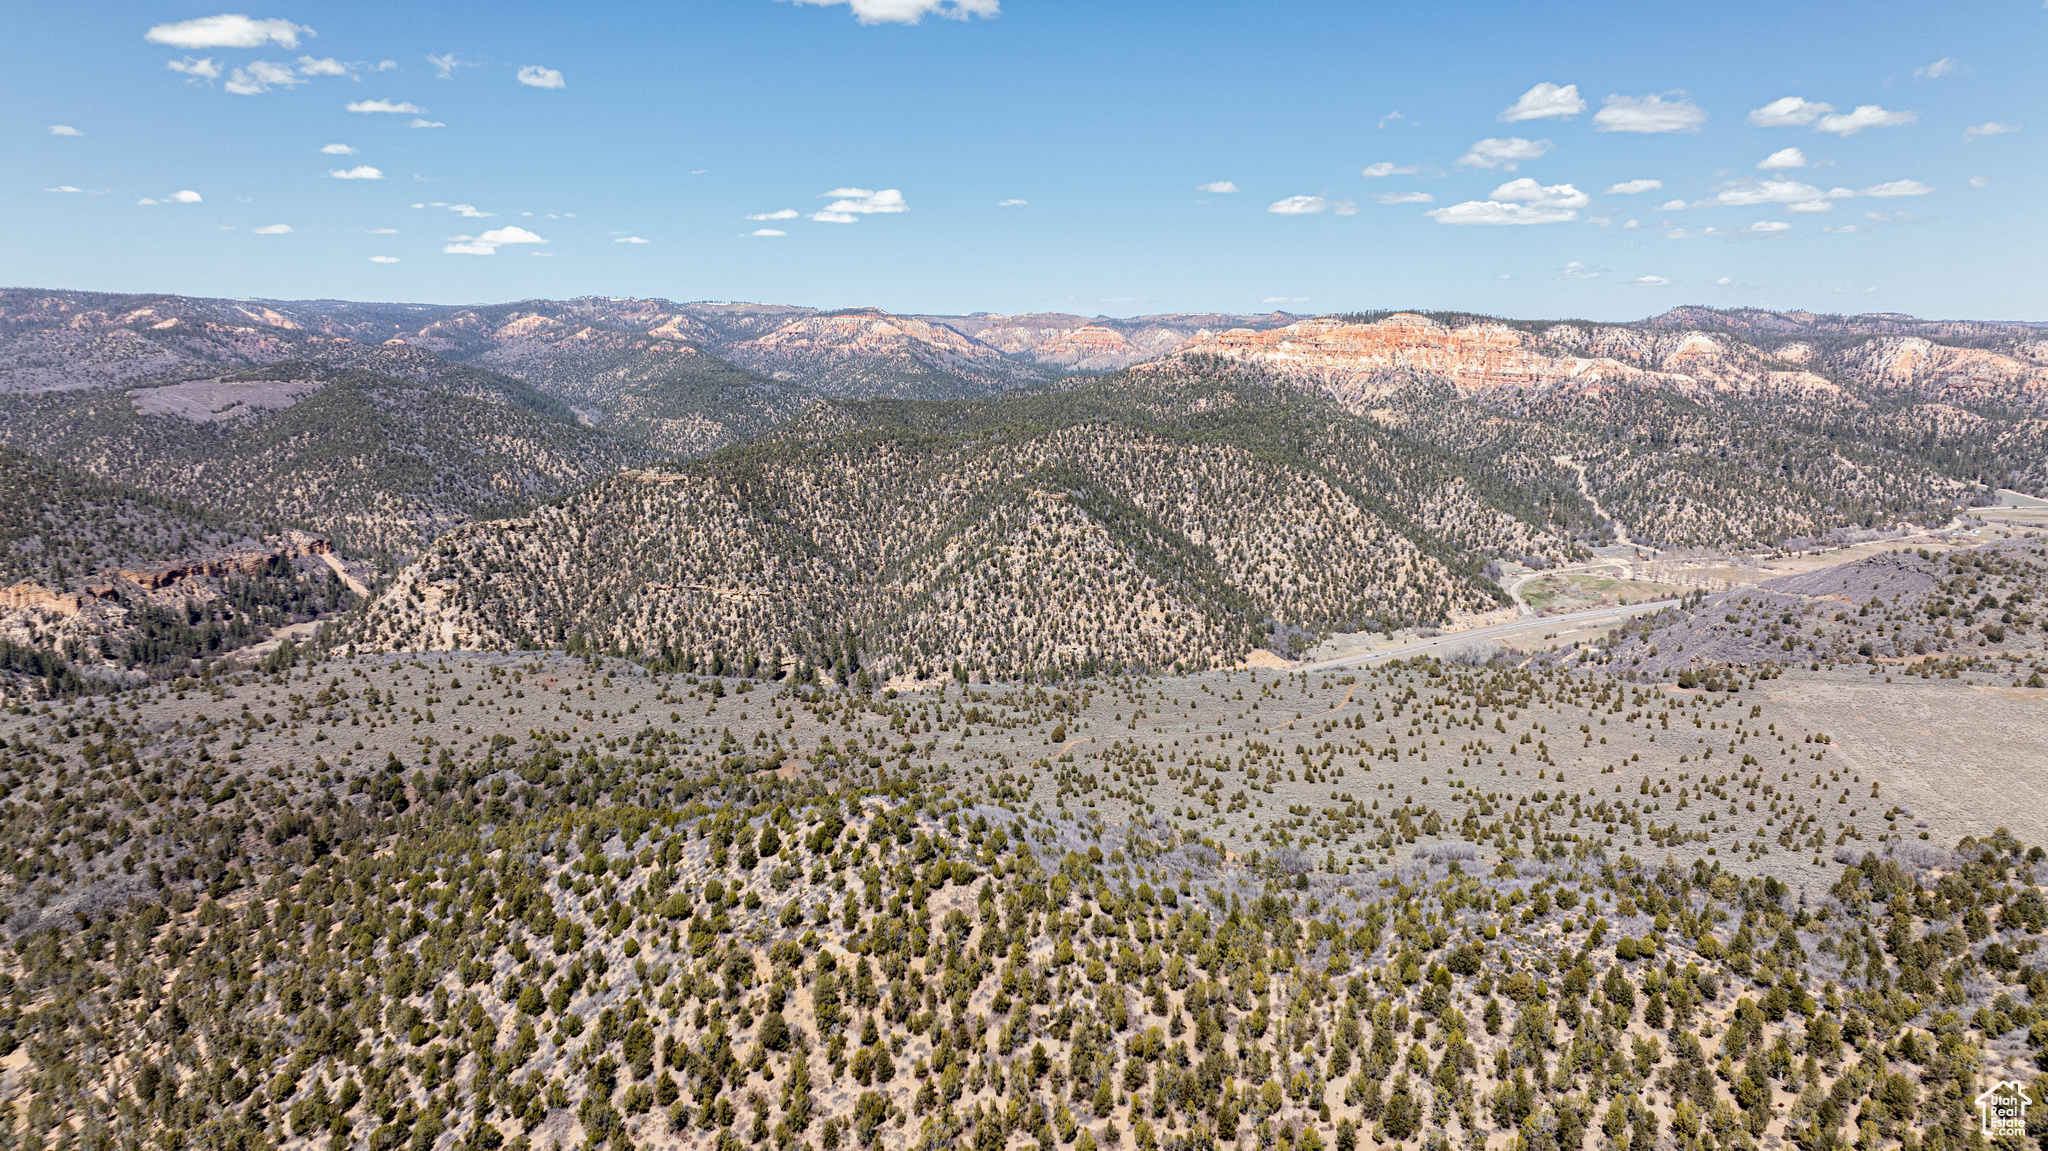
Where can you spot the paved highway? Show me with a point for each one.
(1549, 623)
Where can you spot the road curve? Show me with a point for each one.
(1417, 647)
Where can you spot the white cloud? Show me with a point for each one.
(768, 232)
(1682, 234)
(337, 150)
(1298, 206)
(1344, 208)
(1649, 115)
(489, 243)
(1788, 112)
(1405, 198)
(444, 65)
(1578, 271)
(1747, 193)
(363, 172)
(1387, 168)
(1649, 281)
(1938, 69)
(852, 203)
(1784, 159)
(1545, 101)
(1988, 128)
(629, 240)
(1845, 230)
(1980, 181)
(1723, 282)
(1496, 152)
(913, 11)
(69, 188)
(227, 32)
(1496, 212)
(423, 123)
(1865, 116)
(1631, 187)
(1766, 226)
(383, 259)
(1220, 187)
(327, 67)
(466, 211)
(187, 196)
(1011, 203)
(783, 214)
(383, 231)
(1898, 188)
(273, 230)
(1810, 206)
(402, 109)
(261, 76)
(64, 130)
(1673, 206)
(204, 69)
(535, 76)
(1285, 300)
(1528, 191)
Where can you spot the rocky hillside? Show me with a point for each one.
(380, 462)
(1122, 522)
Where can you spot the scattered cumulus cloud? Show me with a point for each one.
(1650, 281)
(1528, 191)
(383, 231)
(308, 66)
(913, 11)
(1988, 128)
(444, 65)
(64, 130)
(399, 108)
(1344, 208)
(1865, 116)
(1649, 115)
(1945, 66)
(1220, 187)
(1579, 271)
(629, 240)
(1789, 112)
(227, 32)
(489, 243)
(273, 230)
(383, 259)
(1496, 212)
(1497, 152)
(1673, 206)
(1784, 159)
(853, 203)
(466, 211)
(1631, 187)
(202, 69)
(1898, 188)
(1810, 206)
(767, 232)
(783, 214)
(261, 76)
(1298, 206)
(1768, 226)
(1405, 198)
(188, 196)
(70, 188)
(337, 150)
(362, 172)
(1387, 168)
(1545, 101)
(425, 123)
(1011, 203)
(1285, 300)
(1980, 181)
(1748, 193)
(535, 76)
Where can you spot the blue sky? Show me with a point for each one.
(1038, 155)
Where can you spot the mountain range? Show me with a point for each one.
(624, 470)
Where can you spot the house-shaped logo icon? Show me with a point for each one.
(2002, 1107)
